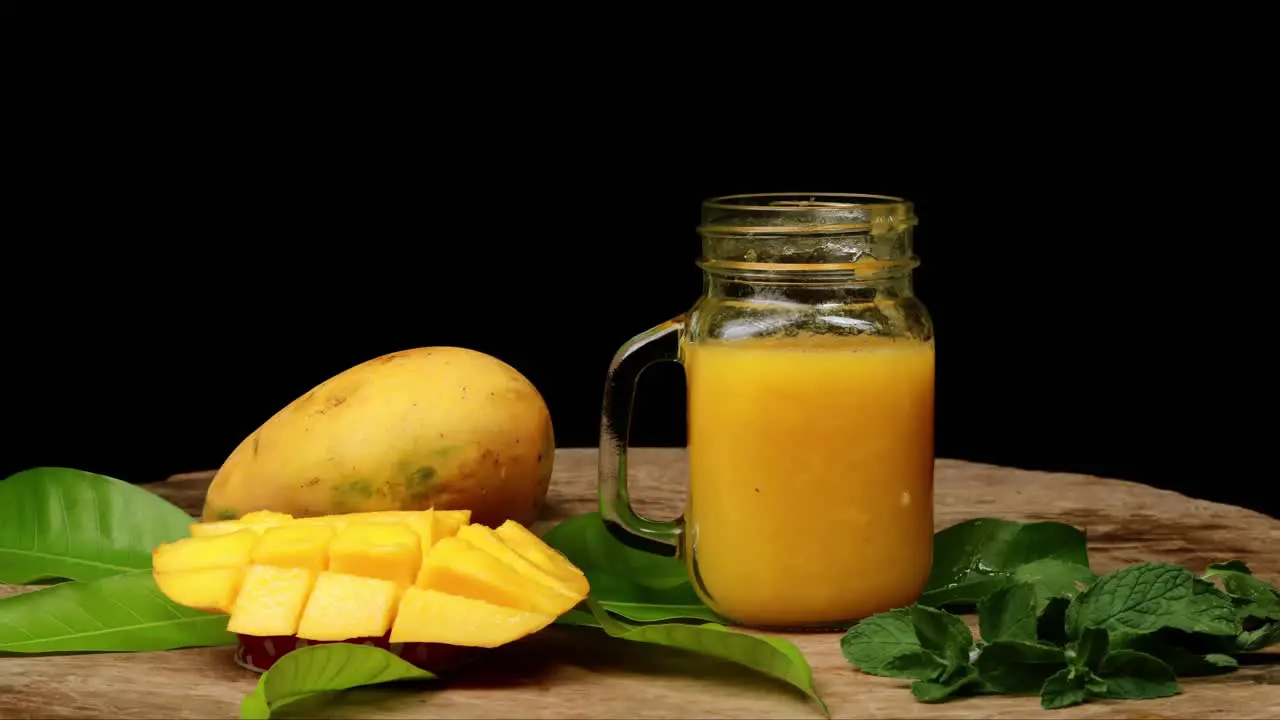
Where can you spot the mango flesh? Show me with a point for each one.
(547, 558)
(270, 600)
(258, 521)
(369, 575)
(432, 616)
(457, 567)
(300, 546)
(200, 553)
(487, 540)
(211, 589)
(328, 613)
(441, 427)
(387, 551)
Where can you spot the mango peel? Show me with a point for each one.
(411, 576)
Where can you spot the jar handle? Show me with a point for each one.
(658, 344)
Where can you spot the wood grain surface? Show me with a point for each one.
(580, 673)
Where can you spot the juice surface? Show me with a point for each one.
(811, 476)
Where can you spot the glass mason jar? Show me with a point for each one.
(810, 384)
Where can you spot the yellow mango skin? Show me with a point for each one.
(436, 617)
(439, 426)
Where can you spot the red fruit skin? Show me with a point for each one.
(260, 653)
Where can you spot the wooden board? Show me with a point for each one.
(579, 673)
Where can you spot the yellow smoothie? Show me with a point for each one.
(811, 476)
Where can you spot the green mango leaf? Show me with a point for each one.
(61, 523)
(654, 612)
(974, 558)
(771, 656)
(319, 669)
(589, 545)
(121, 613)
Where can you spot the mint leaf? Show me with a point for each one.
(974, 558)
(1054, 578)
(1132, 675)
(1263, 637)
(885, 644)
(1238, 581)
(1189, 654)
(1238, 566)
(1147, 597)
(1088, 652)
(959, 682)
(1257, 604)
(1018, 667)
(918, 665)
(1062, 689)
(75, 525)
(1009, 614)
(943, 634)
(318, 669)
(768, 655)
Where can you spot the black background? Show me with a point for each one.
(182, 274)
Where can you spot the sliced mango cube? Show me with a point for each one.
(390, 552)
(304, 546)
(436, 617)
(271, 600)
(523, 541)
(422, 522)
(450, 521)
(198, 553)
(487, 540)
(457, 567)
(211, 589)
(342, 607)
(259, 521)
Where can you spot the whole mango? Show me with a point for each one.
(441, 427)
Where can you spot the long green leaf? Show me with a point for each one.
(63, 523)
(772, 656)
(121, 613)
(655, 612)
(585, 541)
(319, 669)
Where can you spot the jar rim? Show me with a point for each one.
(815, 201)
(796, 213)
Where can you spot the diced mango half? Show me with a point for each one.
(390, 552)
(304, 546)
(487, 540)
(271, 600)
(432, 616)
(342, 607)
(199, 553)
(419, 576)
(533, 549)
(457, 567)
(211, 589)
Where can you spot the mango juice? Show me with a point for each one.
(811, 476)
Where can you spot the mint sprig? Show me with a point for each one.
(1055, 631)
